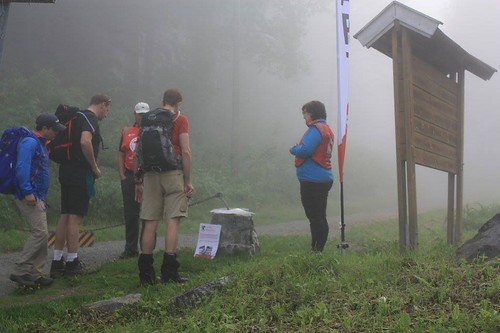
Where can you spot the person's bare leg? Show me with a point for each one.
(148, 237)
(61, 232)
(73, 232)
(172, 234)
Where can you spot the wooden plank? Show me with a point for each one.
(431, 160)
(426, 73)
(435, 111)
(436, 147)
(434, 132)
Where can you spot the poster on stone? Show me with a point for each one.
(208, 241)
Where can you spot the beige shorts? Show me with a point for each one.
(164, 196)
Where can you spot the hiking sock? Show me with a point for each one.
(71, 257)
(58, 254)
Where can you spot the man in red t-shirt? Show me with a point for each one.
(165, 195)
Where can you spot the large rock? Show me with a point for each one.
(237, 231)
(112, 304)
(193, 296)
(485, 243)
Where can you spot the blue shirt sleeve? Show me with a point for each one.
(25, 152)
(310, 142)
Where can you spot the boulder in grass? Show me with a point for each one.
(112, 304)
(485, 243)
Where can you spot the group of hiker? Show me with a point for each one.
(155, 185)
(154, 166)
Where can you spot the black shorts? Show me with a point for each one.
(74, 200)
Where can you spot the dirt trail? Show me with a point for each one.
(103, 252)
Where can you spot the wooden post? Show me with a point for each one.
(460, 172)
(399, 120)
(410, 158)
(450, 220)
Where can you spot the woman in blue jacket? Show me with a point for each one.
(314, 170)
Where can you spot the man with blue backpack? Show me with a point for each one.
(28, 164)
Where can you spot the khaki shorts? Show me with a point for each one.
(164, 196)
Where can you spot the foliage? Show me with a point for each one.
(476, 215)
(284, 289)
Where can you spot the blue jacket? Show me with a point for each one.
(32, 168)
(311, 171)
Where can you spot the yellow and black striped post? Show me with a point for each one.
(86, 238)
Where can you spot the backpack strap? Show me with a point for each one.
(87, 119)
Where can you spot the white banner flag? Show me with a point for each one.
(342, 79)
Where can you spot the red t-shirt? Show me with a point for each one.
(181, 125)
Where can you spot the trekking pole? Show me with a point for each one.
(219, 195)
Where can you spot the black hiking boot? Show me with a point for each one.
(74, 267)
(57, 268)
(22, 280)
(43, 281)
(169, 269)
(147, 274)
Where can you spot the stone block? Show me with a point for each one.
(237, 231)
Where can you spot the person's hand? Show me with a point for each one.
(139, 189)
(30, 200)
(188, 190)
(96, 171)
(122, 177)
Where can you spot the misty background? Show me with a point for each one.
(245, 68)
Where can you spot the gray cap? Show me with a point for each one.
(51, 121)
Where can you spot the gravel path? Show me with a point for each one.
(103, 252)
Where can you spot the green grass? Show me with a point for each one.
(285, 288)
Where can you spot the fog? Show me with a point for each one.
(284, 57)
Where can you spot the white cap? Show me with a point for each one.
(141, 107)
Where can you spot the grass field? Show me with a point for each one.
(286, 288)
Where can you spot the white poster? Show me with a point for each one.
(208, 241)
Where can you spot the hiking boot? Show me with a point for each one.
(74, 267)
(169, 269)
(57, 268)
(23, 280)
(127, 255)
(43, 281)
(147, 275)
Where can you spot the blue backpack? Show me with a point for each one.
(8, 157)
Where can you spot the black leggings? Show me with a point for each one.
(314, 199)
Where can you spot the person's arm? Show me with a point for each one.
(121, 165)
(88, 152)
(121, 158)
(26, 150)
(186, 163)
(310, 142)
(138, 176)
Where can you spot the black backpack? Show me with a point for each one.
(60, 149)
(155, 151)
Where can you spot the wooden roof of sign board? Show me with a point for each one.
(428, 41)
